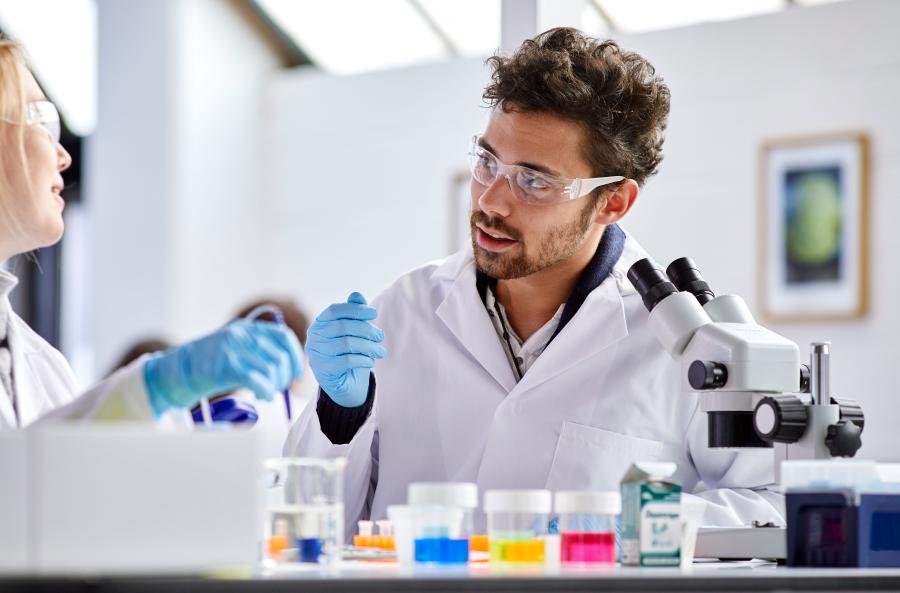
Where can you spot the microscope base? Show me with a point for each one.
(742, 543)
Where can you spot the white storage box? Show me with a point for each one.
(128, 498)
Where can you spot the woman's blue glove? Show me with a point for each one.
(343, 347)
(258, 355)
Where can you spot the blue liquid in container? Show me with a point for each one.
(309, 549)
(442, 550)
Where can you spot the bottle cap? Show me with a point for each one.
(451, 494)
(605, 503)
(518, 501)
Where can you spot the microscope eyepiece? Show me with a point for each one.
(686, 277)
(650, 282)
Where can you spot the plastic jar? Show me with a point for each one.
(517, 523)
(587, 526)
(442, 520)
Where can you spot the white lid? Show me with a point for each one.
(451, 494)
(605, 503)
(399, 512)
(385, 527)
(518, 501)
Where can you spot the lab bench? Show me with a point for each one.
(739, 576)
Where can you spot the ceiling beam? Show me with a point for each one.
(278, 40)
(436, 28)
(604, 15)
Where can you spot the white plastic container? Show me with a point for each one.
(517, 524)
(692, 511)
(587, 526)
(401, 516)
(442, 520)
(123, 498)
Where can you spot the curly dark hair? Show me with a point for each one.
(616, 95)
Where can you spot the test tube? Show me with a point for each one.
(364, 537)
(278, 316)
(385, 527)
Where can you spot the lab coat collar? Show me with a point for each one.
(8, 282)
(463, 312)
(30, 395)
(608, 252)
(599, 269)
(596, 324)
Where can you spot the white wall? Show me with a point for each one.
(833, 68)
(358, 173)
(357, 169)
(173, 170)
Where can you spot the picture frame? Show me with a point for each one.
(459, 211)
(814, 227)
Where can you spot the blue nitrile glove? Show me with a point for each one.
(342, 347)
(258, 355)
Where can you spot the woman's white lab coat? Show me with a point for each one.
(602, 395)
(46, 387)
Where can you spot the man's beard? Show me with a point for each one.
(556, 245)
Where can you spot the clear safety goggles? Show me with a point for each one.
(44, 114)
(529, 185)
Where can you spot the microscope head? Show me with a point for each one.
(727, 359)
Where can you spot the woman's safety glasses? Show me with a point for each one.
(527, 184)
(44, 114)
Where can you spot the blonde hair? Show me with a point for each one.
(12, 120)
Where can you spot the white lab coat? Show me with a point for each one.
(602, 395)
(46, 388)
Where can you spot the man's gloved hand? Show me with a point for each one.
(258, 355)
(343, 347)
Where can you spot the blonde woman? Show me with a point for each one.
(36, 382)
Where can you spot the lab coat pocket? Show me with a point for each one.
(590, 458)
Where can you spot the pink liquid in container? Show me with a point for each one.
(590, 548)
(587, 526)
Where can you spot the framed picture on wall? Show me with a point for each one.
(814, 264)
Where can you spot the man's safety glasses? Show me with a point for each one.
(527, 184)
(44, 114)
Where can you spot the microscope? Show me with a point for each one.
(752, 385)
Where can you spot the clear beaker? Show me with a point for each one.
(305, 510)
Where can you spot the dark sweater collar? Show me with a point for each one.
(598, 269)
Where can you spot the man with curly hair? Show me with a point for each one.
(526, 361)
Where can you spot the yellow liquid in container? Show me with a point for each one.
(521, 550)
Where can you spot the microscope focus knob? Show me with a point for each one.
(851, 411)
(705, 374)
(843, 439)
(780, 418)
